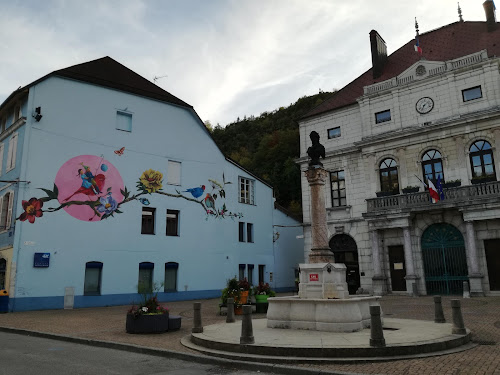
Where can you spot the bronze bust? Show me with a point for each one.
(316, 150)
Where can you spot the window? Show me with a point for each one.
(145, 284)
(17, 113)
(6, 211)
(389, 176)
(241, 274)
(148, 220)
(383, 116)
(171, 277)
(250, 274)
(1, 158)
(11, 156)
(2, 124)
(246, 190)
(481, 160)
(174, 173)
(472, 93)
(432, 166)
(124, 121)
(93, 275)
(262, 268)
(334, 133)
(172, 222)
(241, 231)
(249, 232)
(337, 181)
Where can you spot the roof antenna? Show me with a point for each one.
(460, 13)
(157, 78)
(416, 25)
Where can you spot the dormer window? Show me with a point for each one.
(383, 116)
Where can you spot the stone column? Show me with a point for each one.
(410, 277)
(320, 249)
(378, 280)
(475, 277)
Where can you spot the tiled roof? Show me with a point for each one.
(446, 43)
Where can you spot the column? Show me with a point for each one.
(378, 280)
(410, 277)
(475, 277)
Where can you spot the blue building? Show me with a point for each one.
(109, 183)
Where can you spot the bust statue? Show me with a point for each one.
(316, 150)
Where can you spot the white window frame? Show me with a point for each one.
(247, 194)
(8, 219)
(174, 178)
(12, 153)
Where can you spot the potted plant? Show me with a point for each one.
(148, 316)
(244, 287)
(482, 179)
(452, 183)
(411, 189)
(262, 292)
(387, 193)
(232, 290)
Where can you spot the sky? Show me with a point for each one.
(226, 58)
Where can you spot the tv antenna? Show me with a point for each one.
(158, 78)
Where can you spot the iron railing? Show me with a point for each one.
(459, 196)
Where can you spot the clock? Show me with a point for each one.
(424, 105)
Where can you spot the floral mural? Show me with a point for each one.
(90, 188)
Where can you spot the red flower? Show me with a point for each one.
(32, 209)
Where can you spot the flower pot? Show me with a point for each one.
(411, 190)
(385, 193)
(261, 303)
(238, 309)
(482, 180)
(448, 185)
(156, 323)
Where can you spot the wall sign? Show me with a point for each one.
(41, 260)
(313, 277)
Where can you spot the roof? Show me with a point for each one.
(446, 43)
(108, 72)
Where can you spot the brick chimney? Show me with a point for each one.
(379, 53)
(489, 9)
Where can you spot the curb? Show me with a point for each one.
(203, 359)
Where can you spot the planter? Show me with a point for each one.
(448, 185)
(482, 180)
(385, 193)
(238, 309)
(261, 303)
(157, 323)
(411, 190)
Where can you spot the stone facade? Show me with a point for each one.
(384, 226)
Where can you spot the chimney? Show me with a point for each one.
(379, 53)
(489, 9)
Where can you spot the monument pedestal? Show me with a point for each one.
(323, 281)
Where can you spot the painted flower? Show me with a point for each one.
(108, 204)
(32, 209)
(151, 180)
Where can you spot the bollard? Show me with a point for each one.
(230, 311)
(246, 326)
(466, 290)
(377, 334)
(197, 327)
(414, 289)
(438, 310)
(458, 321)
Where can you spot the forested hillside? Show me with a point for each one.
(267, 146)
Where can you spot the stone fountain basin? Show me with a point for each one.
(330, 315)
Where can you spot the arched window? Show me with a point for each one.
(481, 160)
(389, 176)
(432, 166)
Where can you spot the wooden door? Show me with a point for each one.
(398, 271)
(492, 251)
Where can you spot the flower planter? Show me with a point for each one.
(156, 323)
(238, 309)
(482, 180)
(385, 193)
(411, 190)
(448, 185)
(261, 303)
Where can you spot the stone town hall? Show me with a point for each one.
(432, 114)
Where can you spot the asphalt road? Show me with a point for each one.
(26, 355)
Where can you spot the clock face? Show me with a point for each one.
(424, 105)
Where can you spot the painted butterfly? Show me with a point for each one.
(120, 151)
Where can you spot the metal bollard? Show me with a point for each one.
(466, 290)
(230, 311)
(246, 326)
(197, 327)
(438, 310)
(377, 334)
(458, 321)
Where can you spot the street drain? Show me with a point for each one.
(484, 342)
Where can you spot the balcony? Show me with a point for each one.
(463, 196)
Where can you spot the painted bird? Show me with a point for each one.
(209, 202)
(196, 192)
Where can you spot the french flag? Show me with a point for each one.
(435, 195)
(417, 46)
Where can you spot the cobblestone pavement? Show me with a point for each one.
(481, 315)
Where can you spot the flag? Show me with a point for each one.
(433, 191)
(440, 188)
(417, 46)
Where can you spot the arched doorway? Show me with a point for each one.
(345, 251)
(445, 262)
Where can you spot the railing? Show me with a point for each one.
(463, 196)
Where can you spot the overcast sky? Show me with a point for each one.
(227, 58)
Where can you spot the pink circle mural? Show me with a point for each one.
(89, 178)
